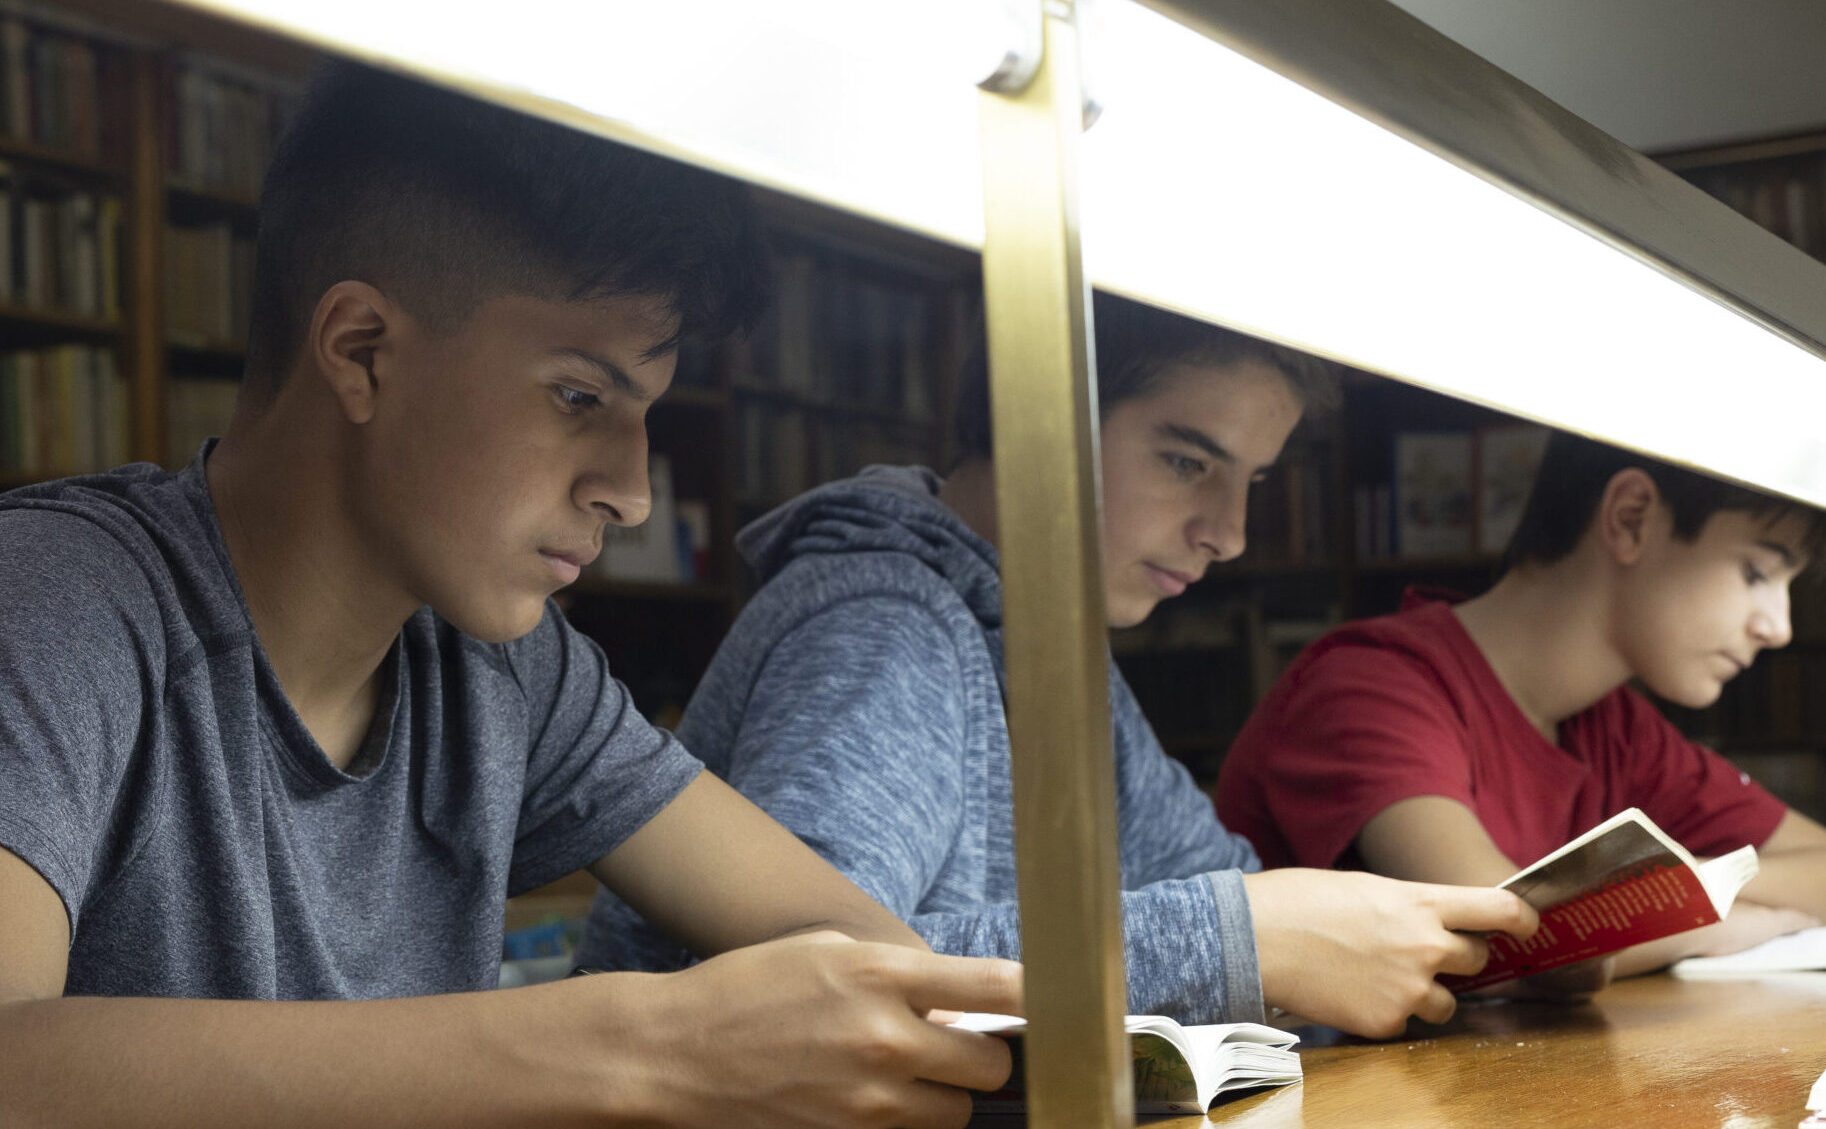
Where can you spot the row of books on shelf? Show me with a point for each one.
(838, 335)
(50, 93)
(1786, 196)
(1452, 493)
(1290, 511)
(59, 252)
(782, 452)
(63, 410)
(209, 276)
(197, 407)
(222, 128)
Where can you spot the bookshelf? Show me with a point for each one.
(856, 361)
(101, 283)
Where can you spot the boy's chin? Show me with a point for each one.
(503, 622)
(1128, 613)
(1699, 695)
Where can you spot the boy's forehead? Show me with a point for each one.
(1788, 532)
(630, 325)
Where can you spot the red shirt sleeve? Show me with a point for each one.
(1705, 802)
(1341, 737)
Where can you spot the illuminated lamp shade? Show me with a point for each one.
(1333, 175)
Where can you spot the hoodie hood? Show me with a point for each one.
(884, 509)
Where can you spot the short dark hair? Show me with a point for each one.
(444, 202)
(1575, 471)
(1135, 344)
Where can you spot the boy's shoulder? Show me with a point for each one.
(126, 543)
(1424, 633)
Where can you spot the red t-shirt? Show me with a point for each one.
(1405, 705)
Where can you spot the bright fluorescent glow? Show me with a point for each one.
(864, 105)
(1216, 186)
(1211, 185)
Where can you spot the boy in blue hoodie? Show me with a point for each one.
(858, 700)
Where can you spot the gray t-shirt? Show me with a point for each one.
(152, 770)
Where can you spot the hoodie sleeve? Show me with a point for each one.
(1169, 826)
(1188, 944)
(855, 738)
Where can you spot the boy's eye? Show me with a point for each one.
(1752, 574)
(573, 400)
(1185, 466)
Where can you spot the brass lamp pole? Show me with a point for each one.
(1044, 412)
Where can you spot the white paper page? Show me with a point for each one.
(1796, 952)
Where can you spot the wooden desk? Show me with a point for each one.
(1651, 1052)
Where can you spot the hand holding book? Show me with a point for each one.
(1178, 1069)
(1623, 883)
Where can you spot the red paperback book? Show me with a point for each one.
(1620, 884)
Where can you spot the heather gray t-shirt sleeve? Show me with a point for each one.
(597, 770)
(855, 739)
(80, 644)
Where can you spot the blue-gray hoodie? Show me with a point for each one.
(858, 700)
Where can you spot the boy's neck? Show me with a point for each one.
(325, 615)
(1544, 631)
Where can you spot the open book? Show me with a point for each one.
(1804, 951)
(1620, 884)
(1178, 1069)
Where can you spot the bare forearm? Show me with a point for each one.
(1651, 956)
(493, 1058)
(1794, 879)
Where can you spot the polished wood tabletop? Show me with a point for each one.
(1655, 1051)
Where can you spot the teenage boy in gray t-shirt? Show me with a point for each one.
(289, 725)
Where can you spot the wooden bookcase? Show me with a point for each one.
(90, 111)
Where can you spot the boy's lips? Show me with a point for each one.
(1168, 580)
(568, 564)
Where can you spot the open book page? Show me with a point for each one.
(1620, 884)
(1178, 1069)
(1797, 952)
(1816, 1106)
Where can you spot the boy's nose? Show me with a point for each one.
(617, 489)
(1221, 528)
(1771, 625)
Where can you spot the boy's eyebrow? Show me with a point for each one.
(1787, 554)
(1196, 438)
(617, 376)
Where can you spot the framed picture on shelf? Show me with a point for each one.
(1507, 458)
(1433, 493)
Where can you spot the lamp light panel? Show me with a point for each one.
(1211, 184)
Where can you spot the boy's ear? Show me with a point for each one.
(351, 322)
(1626, 514)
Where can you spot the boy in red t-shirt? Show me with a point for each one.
(1458, 742)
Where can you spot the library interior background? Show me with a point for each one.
(132, 142)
